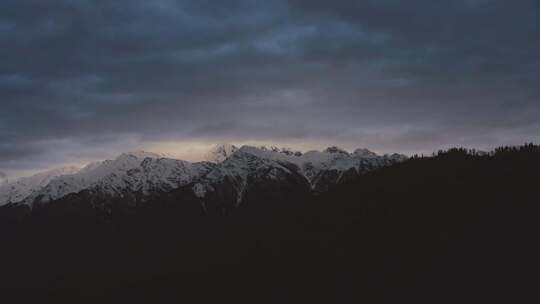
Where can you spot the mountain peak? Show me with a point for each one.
(220, 152)
(398, 157)
(140, 154)
(361, 152)
(335, 149)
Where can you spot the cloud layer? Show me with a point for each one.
(79, 79)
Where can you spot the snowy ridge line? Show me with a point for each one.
(146, 172)
(20, 189)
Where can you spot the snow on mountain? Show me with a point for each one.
(364, 153)
(320, 169)
(244, 164)
(130, 172)
(18, 190)
(231, 167)
(313, 162)
(220, 153)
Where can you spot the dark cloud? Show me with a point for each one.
(79, 77)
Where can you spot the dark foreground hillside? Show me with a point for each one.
(455, 228)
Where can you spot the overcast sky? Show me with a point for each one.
(83, 80)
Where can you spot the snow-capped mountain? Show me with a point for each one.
(246, 165)
(320, 169)
(230, 174)
(220, 153)
(18, 190)
(140, 172)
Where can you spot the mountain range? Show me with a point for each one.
(225, 178)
